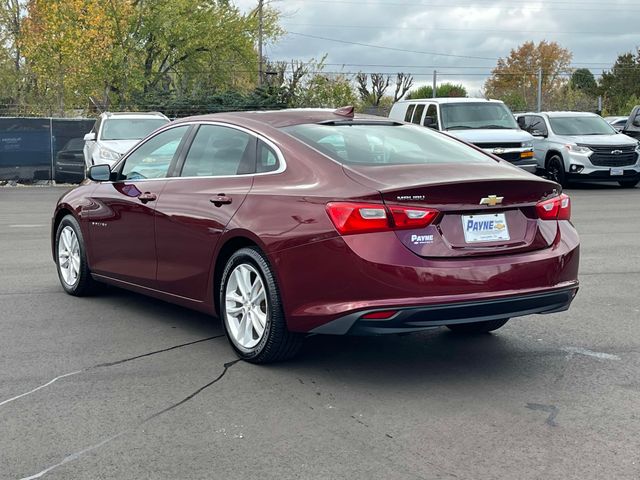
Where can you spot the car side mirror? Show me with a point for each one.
(99, 173)
(90, 137)
(636, 122)
(538, 133)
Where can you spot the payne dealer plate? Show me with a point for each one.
(485, 228)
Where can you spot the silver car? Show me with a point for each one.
(114, 134)
(575, 146)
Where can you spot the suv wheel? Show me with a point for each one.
(555, 170)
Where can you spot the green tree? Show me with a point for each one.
(442, 90)
(582, 79)
(621, 83)
(518, 73)
(11, 62)
(67, 45)
(324, 91)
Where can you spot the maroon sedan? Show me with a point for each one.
(316, 221)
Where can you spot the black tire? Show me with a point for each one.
(555, 170)
(277, 342)
(628, 183)
(477, 327)
(83, 284)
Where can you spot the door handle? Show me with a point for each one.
(220, 199)
(147, 197)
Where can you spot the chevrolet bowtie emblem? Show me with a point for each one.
(491, 200)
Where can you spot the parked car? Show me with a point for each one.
(314, 221)
(632, 126)
(70, 165)
(617, 122)
(115, 133)
(574, 146)
(488, 124)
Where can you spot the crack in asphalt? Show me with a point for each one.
(80, 453)
(104, 365)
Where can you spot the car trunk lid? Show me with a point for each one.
(484, 209)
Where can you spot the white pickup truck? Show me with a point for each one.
(488, 124)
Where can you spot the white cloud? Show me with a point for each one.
(595, 31)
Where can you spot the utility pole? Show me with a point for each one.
(435, 81)
(260, 33)
(540, 89)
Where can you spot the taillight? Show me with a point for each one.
(350, 218)
(410, 217)
(556, 208)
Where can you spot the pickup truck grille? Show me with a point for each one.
(509, 157)
(604, 156)
(498, 145)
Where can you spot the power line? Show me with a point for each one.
(535, 6)
(383, 47)
(429, 28)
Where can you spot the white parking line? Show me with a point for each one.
(28, 226)
(589, 353)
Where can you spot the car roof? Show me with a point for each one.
(451, 100)
(560, 114)
(283, 118)
(106, 115)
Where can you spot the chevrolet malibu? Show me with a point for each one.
(317, 221)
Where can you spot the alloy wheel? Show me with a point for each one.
(246, 306)
(69, 256)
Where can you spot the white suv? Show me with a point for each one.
(575, 146)
(114, 134)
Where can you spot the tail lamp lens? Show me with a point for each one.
(350, 218)
(404, 217)
(556, 208)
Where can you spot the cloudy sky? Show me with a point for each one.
(461, 39)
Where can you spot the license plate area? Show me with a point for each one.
(615, 172)
(485, 228)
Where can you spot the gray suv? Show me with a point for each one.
(574, 146)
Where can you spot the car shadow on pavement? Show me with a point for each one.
(391, 360)
(427, 358)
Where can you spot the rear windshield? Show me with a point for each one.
(130, 128)
(384, 144)
(579, 125)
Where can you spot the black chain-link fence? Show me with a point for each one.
(38, 149)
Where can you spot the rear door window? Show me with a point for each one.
(409, 114)
(417, 115)
(268, 160)
(218, 151)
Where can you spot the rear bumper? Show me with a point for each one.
(431, 316)
(344, 277)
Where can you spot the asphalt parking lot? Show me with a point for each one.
(145, 389)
